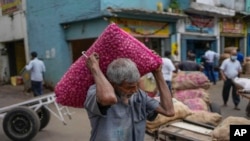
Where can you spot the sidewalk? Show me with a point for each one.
(13, 94)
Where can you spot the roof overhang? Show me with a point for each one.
(210, 10)
(130, 13)
(146, 14)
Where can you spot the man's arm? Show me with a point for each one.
(28, 67)
(105, 94)
(166, 105)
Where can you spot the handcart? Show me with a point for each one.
(22, 121)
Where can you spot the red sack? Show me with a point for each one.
(113, 43)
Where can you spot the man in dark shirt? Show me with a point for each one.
(190, 64)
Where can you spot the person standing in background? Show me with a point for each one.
(240, 56)
(36, 68)
(210, 57)
(230, 69)
(167, 70)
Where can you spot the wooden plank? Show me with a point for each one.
(184, 134)
(192, 127)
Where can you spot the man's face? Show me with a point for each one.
(233, 55)
(126, 90)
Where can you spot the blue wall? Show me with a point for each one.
(45, 32)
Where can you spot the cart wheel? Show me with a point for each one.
(21, 124)
(215, 108)
(44, 116)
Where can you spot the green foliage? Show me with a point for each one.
(174, 4)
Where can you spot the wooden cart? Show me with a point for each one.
(183, 130)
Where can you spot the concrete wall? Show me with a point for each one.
(12, 26)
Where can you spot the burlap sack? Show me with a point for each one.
(247, 67)
(229, 49)
(181, 111)
(196, 104)
(190, 80)
(205, 117)
(247, 59)
(223, 56)
(182, 95)
(221, 132)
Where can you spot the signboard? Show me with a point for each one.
(232, 26)
(142, 28)
(199, 23)
(10, 6)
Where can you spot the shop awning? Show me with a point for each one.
(210, 10)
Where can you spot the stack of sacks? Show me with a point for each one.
(247, 65)
(190, 88)
(113, 43)
(181, 112)
(221, 132)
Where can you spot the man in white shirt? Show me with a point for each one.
(210, 57)
(36, 68)
(230, 69)
(167, 70)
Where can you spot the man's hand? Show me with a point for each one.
(93, 61)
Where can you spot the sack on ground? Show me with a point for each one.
(196, 104)
(182, 95)
(229, 49)
(181, 111)
(221, 132)
(205, 117)
(190, 80)
(113, 43)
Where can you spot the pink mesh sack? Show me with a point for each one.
(113, 43)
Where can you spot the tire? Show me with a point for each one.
(215, 108)
(21, 124)
(44, 116)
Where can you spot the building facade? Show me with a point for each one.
(13, 39)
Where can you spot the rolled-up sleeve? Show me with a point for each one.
(90, 103)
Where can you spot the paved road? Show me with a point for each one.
(78, 129)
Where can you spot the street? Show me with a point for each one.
(78, 128)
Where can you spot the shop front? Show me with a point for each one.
(232, 33)
(156, 31)
(198, 33)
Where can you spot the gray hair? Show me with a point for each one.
(122, 69)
